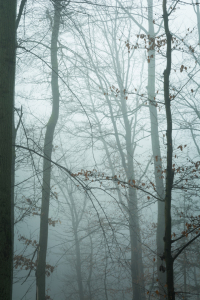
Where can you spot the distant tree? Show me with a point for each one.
(48, 147)
(111, 78)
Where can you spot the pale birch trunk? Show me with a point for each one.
(156, 151)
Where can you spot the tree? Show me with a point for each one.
(150, 35)
(48, 146)
(167, 255)
(156, 146)
(169, 172)
(7, 84)
(114, 94)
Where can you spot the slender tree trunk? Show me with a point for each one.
(134, 244)
(196, 283)
(169, 172)
(78, 263)
(7, 83)
(156, 151)
(136, 250)
(90, 270)
(136, 255)
(184, 255)
(48, 144)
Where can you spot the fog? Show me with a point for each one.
(93, 180)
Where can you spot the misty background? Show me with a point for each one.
(104, 67)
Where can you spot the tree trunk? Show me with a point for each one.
(48, 145)
(169, 172)
(78, 262)
(78, 266)
(7, 83)
(156, 151)
(136, 250)
(134, 244)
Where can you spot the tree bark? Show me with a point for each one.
(48, 145)
(169, 172)
(156, 151)
(7, 83)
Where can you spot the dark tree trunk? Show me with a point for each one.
(169, 172)
(7, 83)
